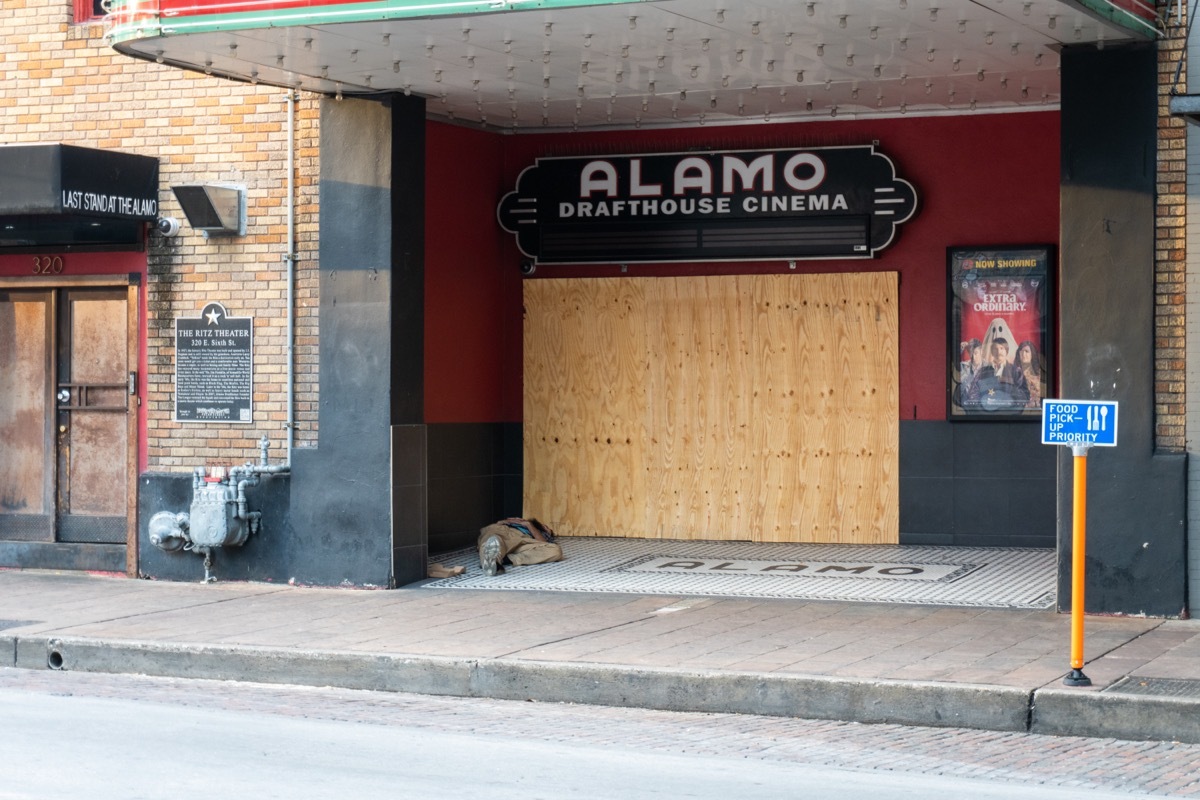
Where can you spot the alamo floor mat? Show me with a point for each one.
(955, 576)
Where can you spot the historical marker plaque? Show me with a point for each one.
(214, 368)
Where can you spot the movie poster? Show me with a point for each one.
(999, 332)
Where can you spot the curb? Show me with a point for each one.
(926, 703)
(1050, 710)
(385, 673)
(1067, 712)
(984, 707)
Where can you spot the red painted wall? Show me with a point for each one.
(987, 179)
(468, 300)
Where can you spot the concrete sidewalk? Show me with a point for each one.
(864, 662)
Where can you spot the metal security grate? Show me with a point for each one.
(26, 527)
(1158, 687)
(92, 529)
(954, 576)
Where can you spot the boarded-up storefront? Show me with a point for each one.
(739, 407)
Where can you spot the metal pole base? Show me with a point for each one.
(1076, 678)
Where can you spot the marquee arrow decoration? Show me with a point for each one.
(831, 202)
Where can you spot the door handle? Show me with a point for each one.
(64, 396)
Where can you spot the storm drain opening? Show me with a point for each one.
(55, 659)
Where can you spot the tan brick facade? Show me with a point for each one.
(62, 83)
(1170, 252)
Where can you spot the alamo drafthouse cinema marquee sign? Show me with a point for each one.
(822, 202)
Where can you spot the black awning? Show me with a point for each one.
(69, 232)
(65, 180)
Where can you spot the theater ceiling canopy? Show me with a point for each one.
(563, 64)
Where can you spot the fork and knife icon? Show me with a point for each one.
(1097, 418)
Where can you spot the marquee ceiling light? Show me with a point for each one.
(500, 67)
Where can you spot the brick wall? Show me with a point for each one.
(1170, 264)
(1193, 333)
(61, 82)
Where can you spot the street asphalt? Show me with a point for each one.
(990, 669)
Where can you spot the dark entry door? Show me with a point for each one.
(64, 417)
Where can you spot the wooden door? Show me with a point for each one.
(91, 394)
(26, 416)
(66, 416)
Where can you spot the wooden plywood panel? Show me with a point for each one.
(787, 367)
(700, 403)
(585, 406)
(828, 392)
(766, 407)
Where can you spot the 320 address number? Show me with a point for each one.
(47, 265)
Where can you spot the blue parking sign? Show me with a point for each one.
(1079, 423)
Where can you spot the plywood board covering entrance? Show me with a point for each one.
(759, 407)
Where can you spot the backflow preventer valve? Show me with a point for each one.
(219, 516)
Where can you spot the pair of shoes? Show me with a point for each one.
(489, 556)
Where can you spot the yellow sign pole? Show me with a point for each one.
(1078, 560)
(1081, 424)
